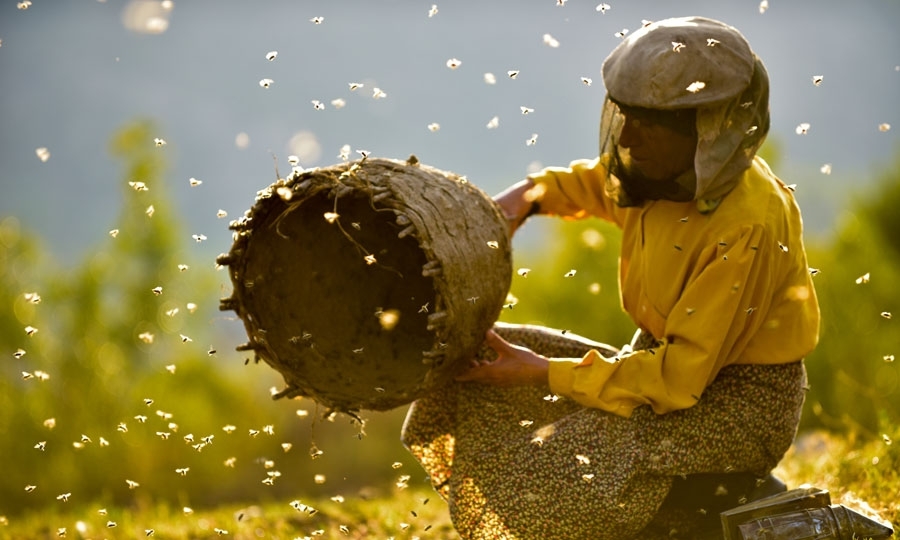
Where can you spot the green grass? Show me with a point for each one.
(860, 473)
(410, 513)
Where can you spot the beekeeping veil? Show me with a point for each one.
(680, 64)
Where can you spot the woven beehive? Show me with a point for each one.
(367, 283)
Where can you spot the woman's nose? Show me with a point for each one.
(630, 135)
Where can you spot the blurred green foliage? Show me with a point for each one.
(854, 377)
(120, 384)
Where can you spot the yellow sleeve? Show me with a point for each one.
(574, 192)
(716, 315)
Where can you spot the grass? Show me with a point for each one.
(404, 514)
(862, 474)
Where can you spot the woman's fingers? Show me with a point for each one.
(494, 341)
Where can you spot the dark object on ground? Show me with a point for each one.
(799, 514)
(367, 283)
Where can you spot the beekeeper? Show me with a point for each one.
(693, 415)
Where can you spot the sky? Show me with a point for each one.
(73, 72)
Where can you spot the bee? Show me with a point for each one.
(696, 86)
(139, 186)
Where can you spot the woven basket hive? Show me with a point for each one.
(367, 283)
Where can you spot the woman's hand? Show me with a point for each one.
(517, 203)
(514, 366)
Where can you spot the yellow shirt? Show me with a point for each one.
(727, 287)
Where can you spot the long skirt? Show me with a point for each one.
(521, 463)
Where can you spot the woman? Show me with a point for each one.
(550, 436)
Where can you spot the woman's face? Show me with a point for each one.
(657, 150)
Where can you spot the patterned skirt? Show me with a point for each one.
(521, 463)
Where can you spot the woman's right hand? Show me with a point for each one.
(517, 203)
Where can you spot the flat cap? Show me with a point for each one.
(679, 63)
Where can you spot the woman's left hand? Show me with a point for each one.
(514, 366)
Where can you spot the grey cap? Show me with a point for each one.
(679, 63)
